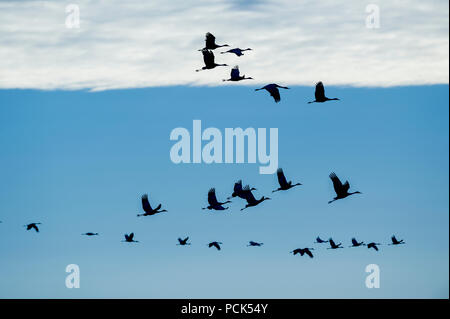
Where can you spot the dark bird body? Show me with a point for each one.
(254, 244)
(238, 190)
(320, 241)
(129, 238)
(320, 94)
(183, 242)
(396, 242)
(340, 189)
(208, 59)
(90, 234)
(373, 245)
(235, 75)
(251, 200)
(237, 51)
(213, 202)
(303, 251)
(333, 245)
(33, 226)
(215, 244)
(356, 244)
(273, 90)
(210, 43)
(148, 208)
(284, 184)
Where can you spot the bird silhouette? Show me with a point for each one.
(254, 244)
(303, 251)
(90, 234)
(320, 94)
(237, 190)
(284, 184)
(273, 90)
(236, 51)
(320, 241)
(210, 43)
(373, 245)
(183, 242)
(341, 190)
(251, 200)
(208, 58)
(356, 244)
(148, 208)
(395, 241)
(32, 226)
(213, 202)
(235, 76)
(333, 244)
(215, 244)
(129, 238)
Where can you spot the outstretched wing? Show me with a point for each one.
(212, 199)
(309, 253)
(127, 237)
(332, 243)
(354, 242)
(346, 186)
(186, 239)
(216, 245)
(131, 236)
(336, 183)
(281, 178)
(275, 93)
(35, 227)
(320, 91)
(210, 40)
(146, 204)
(208, 57)
(235, 72)
(238, 186)
(248, 195)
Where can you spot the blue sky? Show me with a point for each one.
(78, 161)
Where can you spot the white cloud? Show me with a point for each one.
(123, 44)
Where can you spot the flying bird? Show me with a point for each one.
(356, 244)
(208, 58)
(235, 76)
(32, 226)
(237, 51)
(320, 94)
(148, 208)
(251, 200)
(333, 244)
(373, 245)
(213, 202)
(254, 244)
(237, 190)
(210, 43)
(341, 190)
(273, 90)
(129, 238)
(320, 241)
(90, 234)
(303, 251)
(284, 184)
(395, 241)
(183, 242)
(215, 244)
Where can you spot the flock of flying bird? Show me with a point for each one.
(245, 192)
(273, 89)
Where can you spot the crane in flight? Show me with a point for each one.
(237, 190)
(32, 226)
(208, 59)
(333, 245)
(251, 200)
(303, 251)
(213, 202)
(395, 241)
(320, 241)
(236, 51)
(90, 234)
(183, 242)
(129, 238)
(373, 245)
(235, 75)
(273, 90)
(215, 244)
(254, 244)
(284, 184)
(210, 43)
(356, 244)
(340, 189)
(148, 208)
(320, 94)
